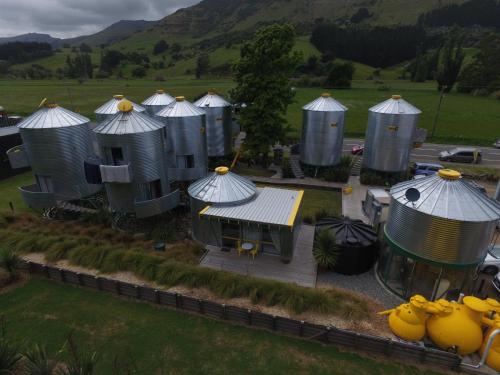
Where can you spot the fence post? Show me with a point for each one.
(61, 274)
(249, 315)
(79, 278)
(29, 264)
(98, 282)
(157, 296)
(177, 302)
(200, 306)
(328, 330)
(274, 322)
(224, 315)
(137, 292)
(301, 329)
(117, 288)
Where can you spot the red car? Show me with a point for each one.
(357, 149)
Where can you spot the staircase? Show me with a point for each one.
(295, 166)
(356, 165)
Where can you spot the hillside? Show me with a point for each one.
(32, 37)
(112, 34)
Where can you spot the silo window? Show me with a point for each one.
(45, 183)
(150, 190)
(185, 161)
(117, 156)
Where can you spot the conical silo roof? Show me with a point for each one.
(223, 188)
(111, 106)
(448, 196)
(52, 116)
(180, 108)
(396, 105)
(212, 100)
(127, 121)
(160, 98)
(325, 103)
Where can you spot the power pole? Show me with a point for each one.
(436, 117)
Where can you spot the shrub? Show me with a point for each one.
(9, 261)
(37, 361)
(325, 249)
(9, 352)
(321, 214)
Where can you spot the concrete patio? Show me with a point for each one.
(302, 270)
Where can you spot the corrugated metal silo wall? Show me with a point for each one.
(438, 239)
(204, 231)
(322, 137)
(389, 141)
(146, 155)
(219, 131)
(60, 153)
(187, 136)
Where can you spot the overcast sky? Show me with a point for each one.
(69, 18)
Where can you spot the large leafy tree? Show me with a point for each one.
(263, 82)
(450, 61)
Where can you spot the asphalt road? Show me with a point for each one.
(429, 152)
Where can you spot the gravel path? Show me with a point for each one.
(366, 283)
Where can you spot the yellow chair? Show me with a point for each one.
(254, 251)
(239, 249)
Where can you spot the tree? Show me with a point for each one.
(340, 75)
(450, 62)
(483, 73)
(325, 249)
(262, 76)
(160, 47)
(202, 65)
(139, 72)
(85, 48)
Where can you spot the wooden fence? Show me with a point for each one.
(371, 344)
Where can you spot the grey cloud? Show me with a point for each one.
(68, 18)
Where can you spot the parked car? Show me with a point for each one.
(497, 143)
(462, 155)
(358, 149)
(426, 169)
(491, 264)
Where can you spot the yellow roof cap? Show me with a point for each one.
(476, 304)
(222, 170)
(180, 98)
(449, 174)
(160, 91)
(396, 97)
(118, 96)
(125, 106)
(326, 95)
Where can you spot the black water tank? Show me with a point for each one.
(357, 241)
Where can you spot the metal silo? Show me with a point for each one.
(390, 134)
(220, 188)
(185, 126)
(438, 229)
(134, 166)
(56, 143)
(157, 102)
(322, 132)
(110, 108)
(219, 124)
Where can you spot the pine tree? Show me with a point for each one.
(450, 62)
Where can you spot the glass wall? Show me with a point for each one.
(406, 276)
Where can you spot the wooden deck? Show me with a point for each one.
(301, 270)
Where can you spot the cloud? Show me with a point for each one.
(69, 18)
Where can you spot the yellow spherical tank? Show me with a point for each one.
(493, 359)
(459, 328)
(407, 321)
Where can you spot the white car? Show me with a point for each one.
(491, 264)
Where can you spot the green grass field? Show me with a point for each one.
(9, 192)
(163, 341)
(474, 118)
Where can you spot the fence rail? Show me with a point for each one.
(325, 334)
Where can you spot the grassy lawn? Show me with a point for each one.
(163, 341)
(10, 193)
(465, 116)
(316, 200)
